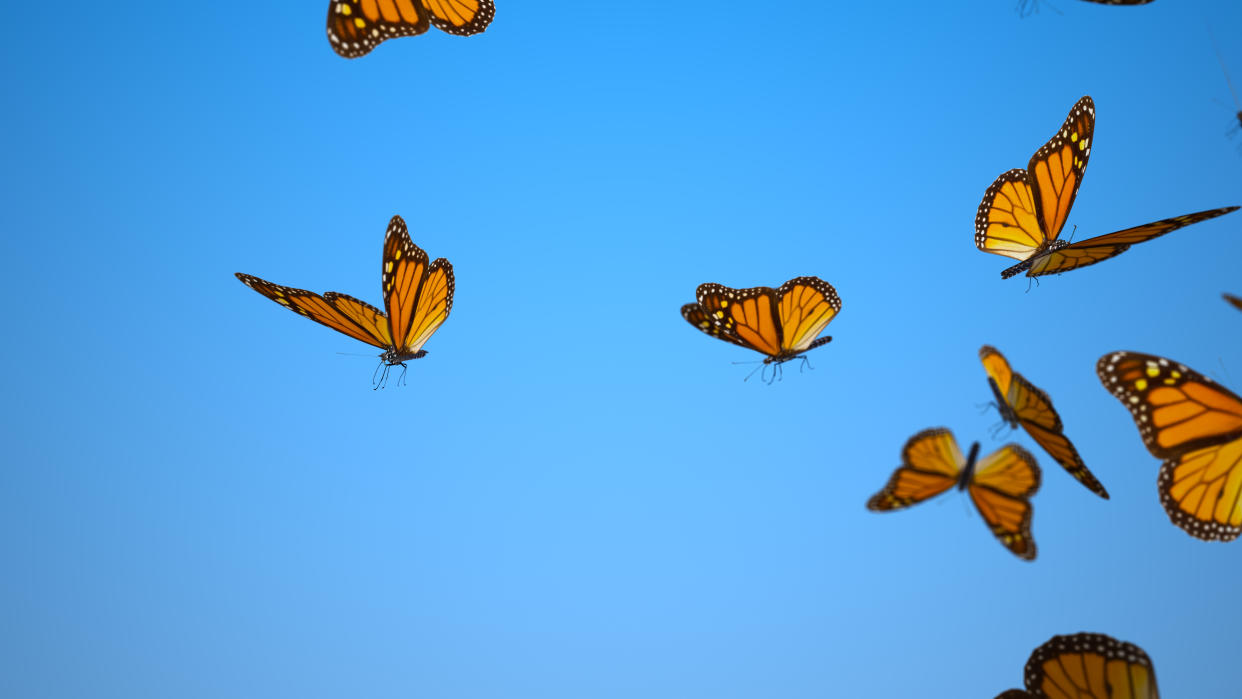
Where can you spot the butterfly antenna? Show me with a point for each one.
(1223, 69)
(752, 372)
(1225, 369)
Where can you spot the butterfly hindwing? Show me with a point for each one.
(435, 300)
(805, 306)
(1001, 489)
(1090, 666)
(355, 27)
(313, 306)
(1006, 222)
(1201, 491)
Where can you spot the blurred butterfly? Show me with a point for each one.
(1193, 424)
(1021, 403)
(781, 324)
(1233, 300)
(1034, 4)
(1000, 484)
(418, 297)
(1023, 212)
(357, 26)
(1087, 666)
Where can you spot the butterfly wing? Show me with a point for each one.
(363, 314)
(435, 300)
(315, 307)
(1006, 222)
(1176, 409)
(1090, 666)
(699, 318)
(1120, 2)
(1201, 491)
(404, 268)
(930, 464)
(747, 315)
(997, 368)
(805, 306)
(1100, 248)
(460, 17)
(1001, 489)
(1233, 301)
(1056, 170)
(357, 26)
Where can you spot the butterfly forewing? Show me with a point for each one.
(805, 306)
(1056, 170)
(1090, 666)
(931, 462)
(745, 313)
(404, 267)
(1232, 300)
(699, 318)
(313, 306)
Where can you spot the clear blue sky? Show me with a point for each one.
(576, 495)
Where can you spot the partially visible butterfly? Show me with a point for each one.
(418, 297)
(357, 26)
(1023, 212)
(1034, 4)
(1195, 425)
(1021, 403)
(781, 324)
(1000, 484)
(1233, 300)
(1087, 666)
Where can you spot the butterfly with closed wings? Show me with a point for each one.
(781, 324)
(1023, 212)
(417, 297)
(1021, 403)
(357, 26)
(1195, 425)
(1000, 484)
(1087, 666)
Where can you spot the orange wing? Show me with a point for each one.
(435, 300)
(317, 308)
(715, 326)
(1006, 222)
(404, 268)
(1026, 405)
(747, 314)
(1056, 170)
(357, 26)
(1100, 248)
(1090, 666)
(930, 464)
(461, 17)
(1193, 424)
(1001, 488)
(805, 306)
(363, 314)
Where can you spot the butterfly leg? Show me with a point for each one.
(404, 369)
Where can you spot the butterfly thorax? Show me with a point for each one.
(968, 472)
(1006, 410)
(392, 357)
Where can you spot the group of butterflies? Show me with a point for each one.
(1187, 420)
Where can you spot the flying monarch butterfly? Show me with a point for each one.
(1034, 4)
(1193, 424)
(1000, 484)
(1087, 666)
(417, 296)
(1233, 300)
(1021, 403)
(781, 324)
(1023, 212)
(357, 26)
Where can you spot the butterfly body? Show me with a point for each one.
(355, 27)
(418, 297)
(1000, 484)
(781, 324)
(1195, 426)
(1024, 211)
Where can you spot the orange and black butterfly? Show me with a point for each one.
(357, 26)
(1021, 403)
(1023, 212)
(781, 324)
(1000, 484)
(1233, 301)
(417, 297)
(1087, 666)
(1195, 425)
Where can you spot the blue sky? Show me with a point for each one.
(577, 495)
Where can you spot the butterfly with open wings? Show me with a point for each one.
(357, 26)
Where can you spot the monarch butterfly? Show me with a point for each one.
(1193, 424)
(417, 296)
(357, 26)
(1000, 484)
(779, 323)
(1233, 300)
(1023, 212)
(1087, 666)
(1021, 403)
(1034, 4)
